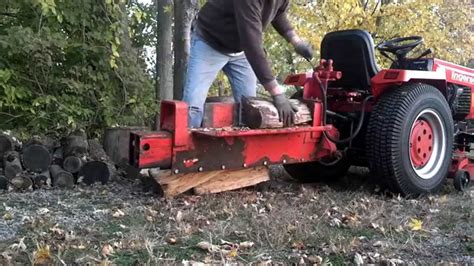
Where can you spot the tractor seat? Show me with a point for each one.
(353, 54)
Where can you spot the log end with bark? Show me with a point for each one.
(95, 171)
(72, 164)
(259, 113)
(36, 158)
(12, 164)
(21, 182)
(41, 180)
(76, 144)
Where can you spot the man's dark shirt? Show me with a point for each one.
(232, 26)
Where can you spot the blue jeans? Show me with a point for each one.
(204, 65)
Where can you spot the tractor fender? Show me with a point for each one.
(391, 78)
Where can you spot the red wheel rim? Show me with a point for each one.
(421, 143)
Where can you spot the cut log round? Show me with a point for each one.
(42, 180)
(97, 152)
(72, 164)
(12, 164)
(6, 145)
(36, 158)
(3, 182)
(116, 143)
(61, 178)
(76, 144)
(259, 113)
(94, 171)
(58, 156)
(21, 182)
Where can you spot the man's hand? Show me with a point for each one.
(286, 111)
(304, 49)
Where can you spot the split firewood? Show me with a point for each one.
(95, 171)
(72, 164)
(173, 185)
(231, 180)
(41, 180)
(259, 113)
(12, 164)
(76, 144)
(21, 182)
(61, 178)
(3, 182)
(36, 157)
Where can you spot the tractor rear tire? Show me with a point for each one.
(410, 140)
(316, 172)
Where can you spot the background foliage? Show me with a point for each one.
(86, 63)
(67, 64)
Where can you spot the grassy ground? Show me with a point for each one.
(278, 222)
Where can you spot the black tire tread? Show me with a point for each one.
(384, 130)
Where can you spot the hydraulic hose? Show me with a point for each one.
(359, 125)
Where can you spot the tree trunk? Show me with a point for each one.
(164, 50)
(258, 113)
(184, 12)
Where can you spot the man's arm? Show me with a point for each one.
(249, 24)
(283, 26)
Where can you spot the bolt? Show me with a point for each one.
(223, 167)
(245, 165)
(176, 171)
(284, 161)
(265, 163)
(200, 169)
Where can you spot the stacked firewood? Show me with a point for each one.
(43, 162)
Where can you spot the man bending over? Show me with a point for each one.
(229, 36)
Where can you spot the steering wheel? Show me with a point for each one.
(400, 46)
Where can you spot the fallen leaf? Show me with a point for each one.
(358, 260)
(118, 213)
(315, 259)
(335, 222)
(204, 245)
(42, 211)
(378, 244)
(42, 256)
(107, 250)
(20, 246)
(179, 217)
(415, 224)
(298, 245)
(246, 244)
(8, 216)
(233, 253)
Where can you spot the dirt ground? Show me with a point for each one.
(349, 222)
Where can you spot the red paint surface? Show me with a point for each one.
(421, 143)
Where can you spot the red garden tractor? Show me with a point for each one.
(409, 124)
